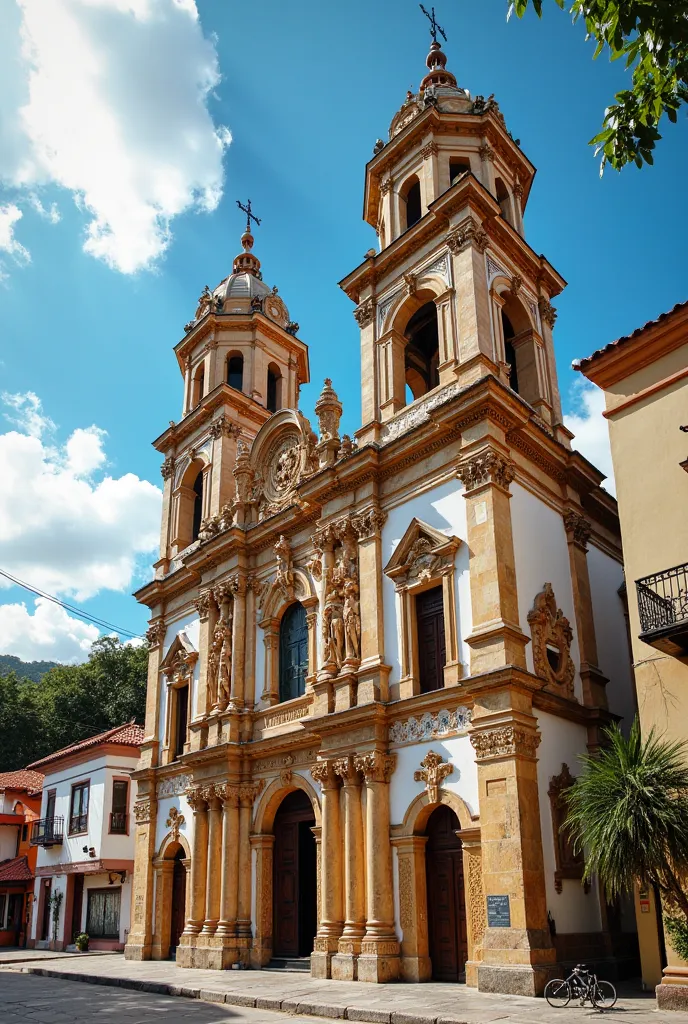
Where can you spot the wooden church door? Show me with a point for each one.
(293, 659)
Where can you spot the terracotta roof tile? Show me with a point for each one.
(22, 779)
(16, 870)
(581, 364)
(128, 735)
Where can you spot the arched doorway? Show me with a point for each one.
(178, 907)
(446, 899)
(293, 654)
(294, 879)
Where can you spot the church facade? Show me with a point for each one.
(374, 662)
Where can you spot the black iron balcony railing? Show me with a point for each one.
(118, 823)
(47, 832)
(78, 823)
(663, 609)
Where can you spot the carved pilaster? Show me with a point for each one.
(486, 467)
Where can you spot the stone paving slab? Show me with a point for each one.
(399, 1003)
(14, 955)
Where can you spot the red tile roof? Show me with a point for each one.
(16, 870)
(128, 735)
(581, 364)
(22, 779)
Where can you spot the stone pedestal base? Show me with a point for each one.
(138, 951)
(416, 968)
(321, 965)
(379, 967)
(472, 973)
(671, 996)
(344, 967)
(209, 952)
(519, 980)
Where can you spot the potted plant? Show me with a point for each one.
(81, 942)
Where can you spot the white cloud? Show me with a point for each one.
(9, 216)
(50, 213)
(66, 526)
(591, 430)
(49, 634)
(27, 413)
(108, 99)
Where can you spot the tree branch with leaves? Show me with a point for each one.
(651, 36)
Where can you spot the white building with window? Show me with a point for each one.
(85, 841)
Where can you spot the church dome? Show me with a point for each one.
(438, 89)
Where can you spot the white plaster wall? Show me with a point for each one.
(541, 556)
(165, 804)
(8, 842)
(463, 781)
(561, 742)
(606, 576)
(444, 508)
(117, 847)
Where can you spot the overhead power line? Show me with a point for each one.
(103, 623)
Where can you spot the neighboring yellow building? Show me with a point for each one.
(645, 381)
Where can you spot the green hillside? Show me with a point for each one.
(34, 670)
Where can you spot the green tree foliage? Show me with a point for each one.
(628, 812)
(71, 702)
(651, 36)
(25, 669)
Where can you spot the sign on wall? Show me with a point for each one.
(498, 912)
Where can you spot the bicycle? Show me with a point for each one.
(581, 984)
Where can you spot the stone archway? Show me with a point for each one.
(410, 840)
(174, 856)
(263, 841)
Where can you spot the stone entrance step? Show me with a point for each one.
(301, 963)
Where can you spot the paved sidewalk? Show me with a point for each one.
(400, 1003)
(14, 955)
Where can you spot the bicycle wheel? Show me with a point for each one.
(558, 993)
(603, 995)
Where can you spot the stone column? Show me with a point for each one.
(496, 639)
(198, 875)
(370, 383)
(517, 957)
(150, 749)
(445, 328)
(413, 908)
(379, 959)
(476, 918)
(391, 351)
(199, 712)
(578, 531)
(140, 938)
(187, 386)
(229, 883)
(312, 626)
(214, 862)
(248, 791)
(261, 948)
(373, 674)
(467, 242)
(164, 868)
(270, 694)
(167, 515)
(237, 700)
(331, 921)
(344, 963)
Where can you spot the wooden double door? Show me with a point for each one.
(294, 885)
(446, 898)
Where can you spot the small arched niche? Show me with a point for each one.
(411, 201)
(422, 352)
(198, 385)
(190, 504)
(235, 371)
(274, 388)
(458, 165)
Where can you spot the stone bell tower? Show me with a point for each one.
(241, 362)
(455, 291)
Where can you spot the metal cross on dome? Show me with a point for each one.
(434, 27)
(249, 216)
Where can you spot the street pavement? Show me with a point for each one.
(247, 997)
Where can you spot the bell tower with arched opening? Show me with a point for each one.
(455, 292)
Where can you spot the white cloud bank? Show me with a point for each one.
(67, 527)
(108, 99)
(591, 430)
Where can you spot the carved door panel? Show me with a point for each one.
(286, 889)
(446, 900)
(431, 640)
(178, 912)
(293, 658)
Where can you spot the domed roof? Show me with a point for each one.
(241, 286)
(438, 89)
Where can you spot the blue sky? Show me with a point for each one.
(304, 89)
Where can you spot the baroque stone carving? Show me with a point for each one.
(341, 620)
(476, 897)
(376, 766)
(488, 467)
(202, 604)
(467, 233)
(578, 528)
(143, 811)
(419, 414)
(167, 468)
(364, 314)
(368, 523)
(547, 311)
(569, 861)
(155, 634)
(504, 741)
(430, 727)
(173, 786)
(423, 554)
(328, 409)
(552, 636)
(224, 427)
(432, 772)
(174, 822)
(212, 526)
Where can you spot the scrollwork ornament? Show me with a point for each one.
(195, 798)
(364, 314)
(376, 766)
(155, 634)
(552, 637)
(143, 811)
(547, 311)
(432, 772)
(174, 822)
(167, 468)
(578, 528)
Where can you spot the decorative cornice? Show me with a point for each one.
(505, 741)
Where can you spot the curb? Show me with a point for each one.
(209, 995)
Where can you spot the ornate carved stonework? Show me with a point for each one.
(432, 149)
(328, 409)
(143, 811)
(578, 528)
(286, 773)
(504, 741)
(552, 636)
(365, 313)
(219, 671)
(467, 233)
(430, 727)
(212, 526)
(224, 427)
(369, 523)
(488, 467)
(385, 186)
(422, 554)
(569, 862)
(475, 896)
(323, 771)
(196, 798)
(418, 414)
(547, 311)
(167, 468)
(202, 605)
(173, 786)
(432, 772)
(155, 634)
(376, 766)
(486, 153)
(174, 822)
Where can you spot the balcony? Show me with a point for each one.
(47, 832)
(118, 823)
(663, 610)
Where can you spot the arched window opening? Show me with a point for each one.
(457, 166)
(199, 385)
(422, 354)
(274, 388)
(235, 372)
(293, 652)
(198, 506)
(181, 719)
(510, 351)
(503, 199)
(410, 194)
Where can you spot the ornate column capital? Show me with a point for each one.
(578, 528)
(432, 772)
(432, 149)
(466, 234)
(376, 766)
(167, 468)
(224, 427)
(228, 794)
(547, 311)
(155, 634)
(369, 523)
(486, 467)
(202, 605)
(347, 771)
(323, 771)
(364, 313)
(196, 798)
(504, 741)
(248, 791)
(486, 152)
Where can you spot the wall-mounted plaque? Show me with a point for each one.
(498, 912)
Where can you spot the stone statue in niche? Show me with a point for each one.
(352, 621)
(341, 620)
(334, 645)
(221, 652)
